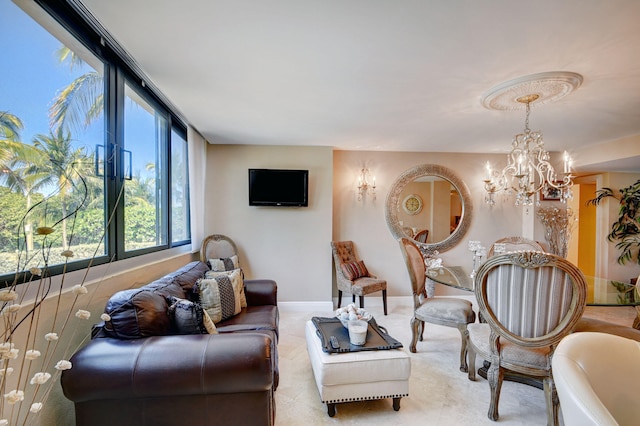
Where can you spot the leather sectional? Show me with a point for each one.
(136, 371)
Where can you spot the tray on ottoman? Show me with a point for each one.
(377, 337)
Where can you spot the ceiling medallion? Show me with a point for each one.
(544, 87)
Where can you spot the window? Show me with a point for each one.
(92, 162)
(145, 148)
(180, 226)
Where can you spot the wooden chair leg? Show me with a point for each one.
(552, 401)
(353, 298)
(464, 334)
(415, 325)
(339, 298)
(384, 300)
(495, 375)
(361, 298)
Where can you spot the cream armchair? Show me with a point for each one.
(597, 376)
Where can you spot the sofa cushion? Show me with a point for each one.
(252, 318)
(221, 296)
(224, 263)
(166, 287)
(137, 313)
(188, 317)
(187, 276)
(214, 274)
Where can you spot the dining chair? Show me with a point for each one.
(353, 276)
(515, 244)
(529, 301)
(421, 236)
(408, 230)
(447, 311)
(595, 374)
(217, 246)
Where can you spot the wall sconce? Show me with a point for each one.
(364, 187)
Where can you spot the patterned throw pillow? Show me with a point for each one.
(353, 270)
(224, 263)
(189, 318)
(214, 274)
(221, 296)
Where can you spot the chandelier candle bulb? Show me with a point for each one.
(567, 163)
(520, 161)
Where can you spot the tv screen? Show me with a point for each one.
(274, 187)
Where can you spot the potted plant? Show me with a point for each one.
(626, 229)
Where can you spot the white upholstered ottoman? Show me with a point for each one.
(358, 376)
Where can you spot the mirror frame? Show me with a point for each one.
(392, 206)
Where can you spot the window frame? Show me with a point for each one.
(118, 69)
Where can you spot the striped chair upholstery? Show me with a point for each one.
(530, 300)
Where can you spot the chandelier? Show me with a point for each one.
(528, 173)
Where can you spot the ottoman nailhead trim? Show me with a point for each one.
(335, 401)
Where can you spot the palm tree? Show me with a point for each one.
(81, 102)
(10, 128)
(64, 164)
(26, 175)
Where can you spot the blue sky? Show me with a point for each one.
(31, 76)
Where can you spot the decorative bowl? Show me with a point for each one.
(350, 312)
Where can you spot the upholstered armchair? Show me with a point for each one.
(447, 311)
(530, 300)
(597, 376)
(352, 275)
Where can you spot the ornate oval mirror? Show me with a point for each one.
(431, 205)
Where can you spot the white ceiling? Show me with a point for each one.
(385, 75)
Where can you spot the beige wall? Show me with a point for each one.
(287, 244)
(364, 221)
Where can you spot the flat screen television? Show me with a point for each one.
(277, 187)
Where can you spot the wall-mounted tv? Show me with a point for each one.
(277, 187)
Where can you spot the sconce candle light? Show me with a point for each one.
(364, 187)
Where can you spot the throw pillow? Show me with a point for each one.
(221, 296)
(214, 274)
(354, 270)
(208, 323)
(188, 317)
(224, 263)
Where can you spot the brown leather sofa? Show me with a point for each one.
(134, 371)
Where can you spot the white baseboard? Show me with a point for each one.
(376, 302)
(305, 306)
